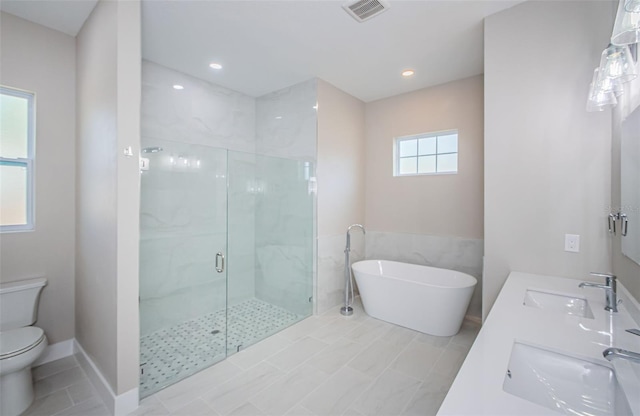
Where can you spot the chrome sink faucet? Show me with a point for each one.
(610, 287)
(611, 353)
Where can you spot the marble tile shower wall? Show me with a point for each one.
(201, 113)
(462, 254)
(286, 122)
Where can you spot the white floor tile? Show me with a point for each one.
(450, 361)
(297, 353)
(90, 407)
(429, 396)
(53, 367)
(226, 397)
(246, 409)
(259, 352)
(417, 360)
(286, 392)
(368, 331)
(375, 358)
(300, 411)
(50, 404)
(335, 356)
(196, 408)
(336, 394)
(57, 381)
(150, 406)
(81, 391)
(335, 330)
(180, 394)
(388, 395)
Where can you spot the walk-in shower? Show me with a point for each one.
(227, 236)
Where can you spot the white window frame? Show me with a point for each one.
(396, 152)
(27, 162)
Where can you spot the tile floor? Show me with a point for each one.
(323, 365)
(174, 353)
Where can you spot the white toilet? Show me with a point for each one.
(20, 343)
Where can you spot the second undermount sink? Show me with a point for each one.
(558, 302)
(563, 383)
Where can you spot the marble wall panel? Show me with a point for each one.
(286, 122)
(201, 113)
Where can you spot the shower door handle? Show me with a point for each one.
(219, 262)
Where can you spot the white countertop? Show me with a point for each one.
(477, 389)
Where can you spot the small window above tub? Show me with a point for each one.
(426, 154)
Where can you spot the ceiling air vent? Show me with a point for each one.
(362, 10)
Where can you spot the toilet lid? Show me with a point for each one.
(19, 340)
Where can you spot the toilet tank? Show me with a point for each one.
(19, 302)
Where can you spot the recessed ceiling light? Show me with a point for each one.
(215, 65)
(408, 72)
(178, 87)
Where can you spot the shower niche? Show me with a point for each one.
(226, 220)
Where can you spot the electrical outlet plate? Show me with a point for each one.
(572, 243)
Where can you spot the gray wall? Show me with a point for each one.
(547, 160)
(42, 60)
(107, 199)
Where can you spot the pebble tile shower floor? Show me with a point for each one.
(171, 354)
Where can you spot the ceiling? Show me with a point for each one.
(267, 45)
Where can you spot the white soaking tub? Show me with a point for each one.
(423, 298)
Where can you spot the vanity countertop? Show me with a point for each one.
(477, 389)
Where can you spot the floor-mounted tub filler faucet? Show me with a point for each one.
(609, 288)
(347, 309)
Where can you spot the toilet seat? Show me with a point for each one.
(20, 340)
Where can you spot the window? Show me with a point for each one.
(16, 159)
(427, 153)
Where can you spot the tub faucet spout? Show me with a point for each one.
(348, 246)
(611, 353)
(610, 290)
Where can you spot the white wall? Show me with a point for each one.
(42, 60)
(107, 222)
(547, 160)
(434, 220)
(340, 203)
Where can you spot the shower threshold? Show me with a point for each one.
(172, 354)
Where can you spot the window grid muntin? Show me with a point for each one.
(417, 156)
(26, 162)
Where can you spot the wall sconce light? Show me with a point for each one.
(616, 67)
(626, 29)
(599, 99)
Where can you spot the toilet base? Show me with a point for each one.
(17, 392)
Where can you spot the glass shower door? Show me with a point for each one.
(270, 240)
(183, 278)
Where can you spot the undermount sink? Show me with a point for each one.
(557, 302)
(563, 383)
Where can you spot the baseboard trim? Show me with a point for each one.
(122, 404)
(55, 352)
(473, 319)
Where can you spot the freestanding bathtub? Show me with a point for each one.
(423, 298)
